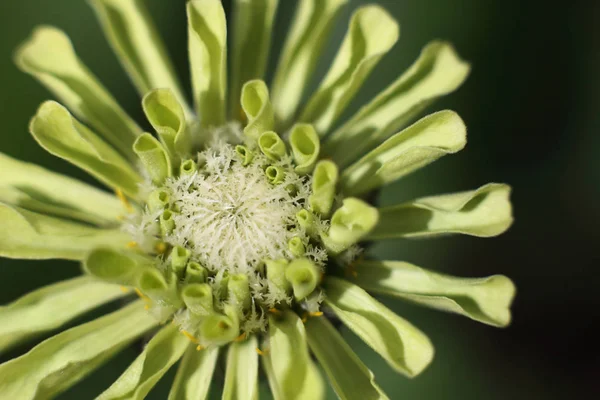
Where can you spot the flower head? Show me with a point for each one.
(239, 222)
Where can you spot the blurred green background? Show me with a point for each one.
(532, 108)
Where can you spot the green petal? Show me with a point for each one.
(271, 145)
(484, 212)
(49, 56)
(416, 146)
(437, 72)
(290, 367)
(194, 374)
(258, 109)
(61, 361)
(306, 146)
(134, 38)
(241, 376)
(207, 31)
(34, 188)
(63, 136)
(485, 300)
(30, 235)
(325, 178)
(347, 374)
(164, 350)
(154, 158)
(349, 224)
(401, 344)
(303, 48)
(371, 34)
(50, 307)
(252, 26)
(167, 117)
(122, 267)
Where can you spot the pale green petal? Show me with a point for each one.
(347, 374)
(437, 72)
(252, 26)
(49, 56)
(349, 224)
(306, 146)
(50, 307)
(61, 361)
(163, 350)
(484, 212)
(401, 344)
(154, 157)
(122, 267)
(371, 34)
(302, 49)
(325, 179)
(34, 188)
(485, 300)
(416, 146)
(241, 376)
(167, 117)
(207, 44)
(134, 38)
(63, 136)
(258, 109)
(194, 375)
(29, 235)
(290, 367)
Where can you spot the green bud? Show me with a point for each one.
(275, 174)
(114, 266)
(305, 147)
(258, 109)
(158, 200)
(198, 298)
(276, 273)
(179, 259)
(154, 157)
(246, 154)
(304, 276)
(219, 329)
(154, 284)
(166, 222)
(188, 168)
(271, 145)
(306, 220)
(349, 224)
(323, 187)
(239, 290)
(195, 273)
(296, 246)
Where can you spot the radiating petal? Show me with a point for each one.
(130, 31)
(122, 267)
(34, 188)
(258, 109)
(241, 376)
(484, 212)
(485, 300)
(154, 157)
(252, 26)
(290, 368)
(194, 375)
(306, 147)
(207, 44)
(371, 34)
(49, 56)
(63, 136)
(49, 307)
(347, 374)
(437, 72)
(163, 350)
(61, 361)
(400, 343)
(304, 45)
(30, 235)
(416, 146)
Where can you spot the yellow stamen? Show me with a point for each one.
(190, 337)
(304, 318)
(262, 352)
(124, 289)
(131, 244)
(146, 307)
(161, 247)
(200, 347)
(316, 314)
(140, 294)
(240, 338)
(124, 200)
(275, 311)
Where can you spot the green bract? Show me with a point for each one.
(238, 221)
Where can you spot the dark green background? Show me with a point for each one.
(532, 108)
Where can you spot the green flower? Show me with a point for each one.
(238, 224)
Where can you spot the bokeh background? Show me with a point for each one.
(532, 106)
